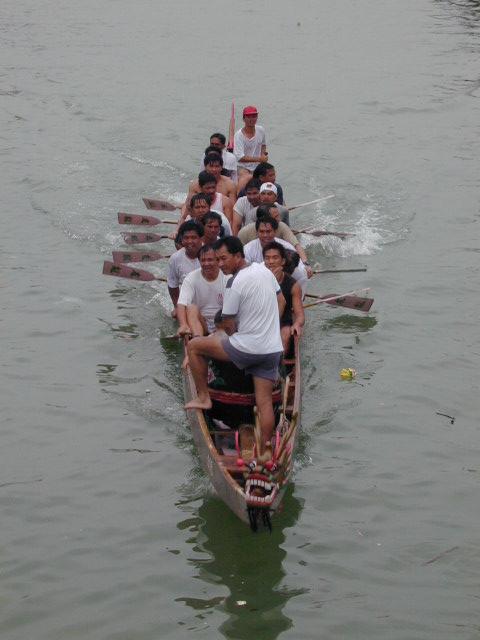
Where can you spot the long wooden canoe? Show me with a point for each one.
(251, 489)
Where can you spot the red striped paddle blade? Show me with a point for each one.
(120, 257)
(139, 238)
(123, 271)
(160, 205)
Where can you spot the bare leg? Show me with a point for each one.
(196, 321)
(263, 399)
(199, 350)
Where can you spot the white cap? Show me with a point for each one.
(268, 186)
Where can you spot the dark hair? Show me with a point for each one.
(213, 158)
(218, 318)
(293, 260)
(220, 136)
(232, 244)
(264, 210)
(211, 149)
(253, 183)
(266, 220)
(277, 246)
(261, 169)
(200, 197)
(212, 215)
(190, 225)
(205, 248)
(204, 177)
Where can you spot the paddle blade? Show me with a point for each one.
(139, 238)
(136, 256)
(122, 271)
(347, 301)
(133, 218)
(160, 205)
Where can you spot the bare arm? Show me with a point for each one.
(281, 303)
(228, 209)
(174, 293)
(236, 223)
(297, 306)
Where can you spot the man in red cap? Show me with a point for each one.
(249, 146)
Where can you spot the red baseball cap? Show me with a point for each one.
(250, 111)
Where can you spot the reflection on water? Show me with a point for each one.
(350, 323)
(249, 565)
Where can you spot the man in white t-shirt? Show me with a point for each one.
(185, 259)
(249, 146)
(245, 208)
(253, 250)
(201, 296)
(251, 307)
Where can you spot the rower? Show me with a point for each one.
(218, 141)
(266, 228)
(269, 195)
(249, 146)
(293, 317)
(249, 233)
(213, 163)
(201, 296)
(200, 205)
(265, 172)
(245, 208)
(212, 227)
(218, 202)
(252, 302)
(184, 260)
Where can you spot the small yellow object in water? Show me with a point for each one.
(347, 374)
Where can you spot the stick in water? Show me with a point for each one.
(330, 299)
(161, 205)
(348, 301)
(304, 204)
(120, 257)
(139, 238)
(318, 232)
(122, 271)
(140, 220)
(339, 270)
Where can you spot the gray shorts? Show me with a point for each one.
(260, 365)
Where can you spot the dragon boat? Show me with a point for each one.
(228, 438)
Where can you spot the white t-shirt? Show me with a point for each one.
(253, 253)
(206, 294)
(179, 265)
(251, 296)
(250, 147)
(244, 209)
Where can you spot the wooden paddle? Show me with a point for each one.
(136, 256)
(304, 204)
(140, 220)
(318, 232)
(348, 301)
(339, 270)
(122, 271)
(344, 300)
(134, 238)
(161, 205)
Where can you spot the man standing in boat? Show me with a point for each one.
(252, 304)
(249, 146)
